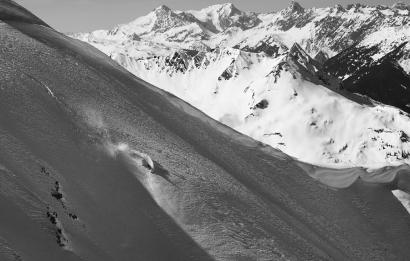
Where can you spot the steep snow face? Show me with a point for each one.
(285, 102)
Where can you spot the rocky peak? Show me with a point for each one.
(165, 19)
(310, 69)
(295, 7)
(162, 9)
(162, 12)
(355, 7)
(339, 8)
(228, 9)
(297, 51)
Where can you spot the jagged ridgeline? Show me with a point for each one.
(97, 164)
(318, 30)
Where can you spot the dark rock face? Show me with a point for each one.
(177, 62)
(321, 57)
(268, 49)
(382, 80)
(301, 57)
(229, 72)
(263, 104)
(309, 68)
(386, 82)
(349, 61)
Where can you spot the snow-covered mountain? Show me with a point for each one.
(328, 30)
(244, 70)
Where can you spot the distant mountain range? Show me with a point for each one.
(255, 73)
(323, 31)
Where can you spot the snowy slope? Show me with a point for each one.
(235, 67)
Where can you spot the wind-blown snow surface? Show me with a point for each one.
(253, 89)
(96, 164)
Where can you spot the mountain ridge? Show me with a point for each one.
(236, 21)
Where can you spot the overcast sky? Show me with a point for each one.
(88, 15)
